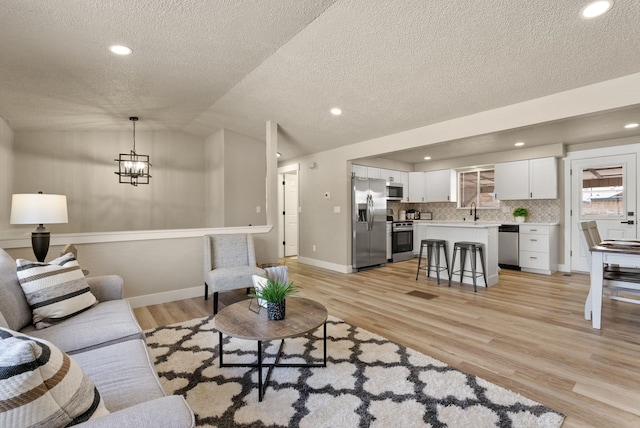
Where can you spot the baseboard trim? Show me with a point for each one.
(325, 265)
(166, 296)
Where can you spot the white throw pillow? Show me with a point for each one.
(56, 290)
(42, 386)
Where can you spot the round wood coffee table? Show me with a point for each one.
(238, 320)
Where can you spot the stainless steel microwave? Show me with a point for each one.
(394, 191)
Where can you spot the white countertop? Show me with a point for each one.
(477, 223)
(471, 224)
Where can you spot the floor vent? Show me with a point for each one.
(422, 294)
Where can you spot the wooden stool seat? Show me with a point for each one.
(433, 244)
(472, 248)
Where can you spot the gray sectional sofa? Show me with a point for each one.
(108, 344)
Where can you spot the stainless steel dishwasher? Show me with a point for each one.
(508, 246)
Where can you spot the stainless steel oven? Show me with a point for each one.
(401, 241)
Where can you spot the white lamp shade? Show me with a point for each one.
(38, 208)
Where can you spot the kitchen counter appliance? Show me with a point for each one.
(508, 246)
(369, 223)
(401, 241)
(395, 191)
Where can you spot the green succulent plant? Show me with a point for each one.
(521, 212)
(275, 291)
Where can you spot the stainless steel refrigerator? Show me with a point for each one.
(369, 222)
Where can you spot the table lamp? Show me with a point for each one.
(38, 208)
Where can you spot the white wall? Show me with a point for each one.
(6, 173)
(81, 165)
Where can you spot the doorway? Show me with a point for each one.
(288, 208)
(603, 189)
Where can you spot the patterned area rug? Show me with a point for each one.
(368, 382)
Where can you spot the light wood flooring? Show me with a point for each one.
(527, 334)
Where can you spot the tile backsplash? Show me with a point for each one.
(540, 210)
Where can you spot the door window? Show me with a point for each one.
(603, 192)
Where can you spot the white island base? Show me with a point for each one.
(484, 233)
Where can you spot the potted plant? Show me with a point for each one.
(274, 293)
(520, 214)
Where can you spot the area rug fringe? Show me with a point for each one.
(369, 381)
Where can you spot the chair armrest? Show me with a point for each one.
(107, 287)
(170, 412)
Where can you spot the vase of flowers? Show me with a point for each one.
(520, 214)
(275, 293)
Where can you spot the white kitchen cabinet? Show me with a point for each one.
(440, 186)
(359, 170)
(512, 180)
(543, 178)
(527, 179)
(419, 233)
(416, 186)
(373, 172)
(390, 175)
(389, 241)
(538, 249)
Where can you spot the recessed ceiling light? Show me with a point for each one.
(427, 158)
(596, 8)
(519, 144)
(336, 111)
(631, 125)
(120, 50)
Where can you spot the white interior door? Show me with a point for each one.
(291, 214)
(602, 189)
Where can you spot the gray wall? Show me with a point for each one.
(245, 174)
(81, 165)
(6, 173)
(235, 180)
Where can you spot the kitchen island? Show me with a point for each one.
(455, 231)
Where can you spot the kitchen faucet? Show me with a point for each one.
(474, 211)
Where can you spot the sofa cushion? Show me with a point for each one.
(123, 373)
(104, 324)
(56, 290)
(42, 386)
(13, 305)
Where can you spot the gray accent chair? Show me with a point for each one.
(229, 263)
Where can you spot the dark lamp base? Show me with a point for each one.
(40, 242)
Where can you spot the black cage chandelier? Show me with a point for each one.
(133, 168)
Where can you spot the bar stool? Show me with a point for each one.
(433, 245)
(473, 248)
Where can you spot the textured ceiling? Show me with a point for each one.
(200, 66)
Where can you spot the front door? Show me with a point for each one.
(603, 189)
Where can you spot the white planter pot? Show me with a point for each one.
(520, 219)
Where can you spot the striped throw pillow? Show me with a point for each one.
(56, 290)
(42, 386)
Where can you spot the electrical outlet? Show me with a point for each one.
(336, 210)
(314, 248)
(258, 209)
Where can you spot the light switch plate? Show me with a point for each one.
(336, 210)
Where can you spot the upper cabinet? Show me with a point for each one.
(394, 176)
(416, 187)
(440, 186)
(528, 179)
(359, 170)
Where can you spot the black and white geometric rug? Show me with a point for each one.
(369, 381)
